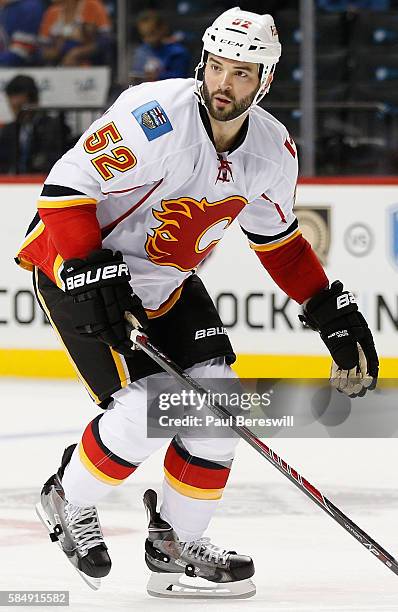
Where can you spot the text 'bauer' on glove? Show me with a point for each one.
(334, 313)
(101, 294)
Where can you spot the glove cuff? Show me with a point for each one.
(102, 268)
(328, 305)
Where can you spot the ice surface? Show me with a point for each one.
(304, 560)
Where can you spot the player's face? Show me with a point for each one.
(229, 87)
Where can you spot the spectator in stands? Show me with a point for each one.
(33, 141)
(19, 26)
(354, 5)
(159, 56)
(270, 6)
(75, 33)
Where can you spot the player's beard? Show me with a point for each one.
(222, 114)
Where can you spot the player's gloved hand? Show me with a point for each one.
(334, 313)
(102, 294)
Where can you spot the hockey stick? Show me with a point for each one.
(141, 339)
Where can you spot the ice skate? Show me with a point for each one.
(76, 530)
(192, 569)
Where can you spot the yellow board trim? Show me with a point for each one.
(94, 471)
(35, 363)
(65, 203)
(190, 491)
(274, 245)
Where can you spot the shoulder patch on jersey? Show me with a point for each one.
(152, 119)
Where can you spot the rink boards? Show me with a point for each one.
(352, 225)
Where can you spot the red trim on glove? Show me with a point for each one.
(295, 268)
(74, 231)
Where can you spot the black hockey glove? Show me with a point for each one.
(334, 314)
(102, 294)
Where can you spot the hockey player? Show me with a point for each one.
(124, 219)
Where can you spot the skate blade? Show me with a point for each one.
(93, 583)
(184, 587)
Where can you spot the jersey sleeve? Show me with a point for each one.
(269, 221)
(273, 233)
(23, 37)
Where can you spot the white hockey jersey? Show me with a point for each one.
(164, 197)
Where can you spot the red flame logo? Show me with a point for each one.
(189, 229)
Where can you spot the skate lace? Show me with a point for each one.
(206, 551)
(84, 527)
